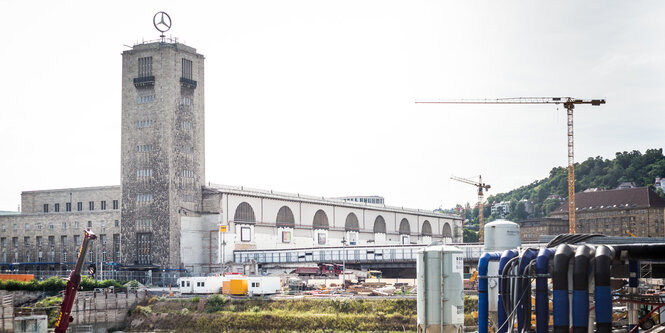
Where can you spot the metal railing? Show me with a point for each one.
(349, 254)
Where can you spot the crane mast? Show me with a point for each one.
(481, 198)
(568, 103)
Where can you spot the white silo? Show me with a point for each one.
(500, 235)
(440, 290)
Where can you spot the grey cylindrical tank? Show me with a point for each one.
(500, 235)
(440, 289)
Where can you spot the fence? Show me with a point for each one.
(160, 278)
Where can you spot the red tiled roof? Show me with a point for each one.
(636, 197)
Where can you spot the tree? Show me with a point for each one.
(469, 236)
(520, 212)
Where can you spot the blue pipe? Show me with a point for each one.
(483, 298)
(501, 312)
(525, 294)
(602, 290)
(542, 303)
(581, 289)
(562, 256)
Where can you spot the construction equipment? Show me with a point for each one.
(568, 103)
(481, 197)
(64, 318)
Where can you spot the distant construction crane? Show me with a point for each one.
(481, 198)
(568, 103)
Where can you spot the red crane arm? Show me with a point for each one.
(64, 318)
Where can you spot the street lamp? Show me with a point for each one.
(343, 263)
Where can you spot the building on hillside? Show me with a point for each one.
(626, 185)
(639, 211)
(659, 183)
(528, 206)
(163, 218)
(532, 229)
(501, 208)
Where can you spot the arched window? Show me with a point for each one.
(447, 231)
(426, 229)
(404, 227)
(320, 220)
(244, 213)
(379, 225)
(285, 217)
(351, 223)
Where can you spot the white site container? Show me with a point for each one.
(264, 285)
(500, 235)
(440, 290)
(200, 284)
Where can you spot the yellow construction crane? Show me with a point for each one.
(481, 198)
(568, 103)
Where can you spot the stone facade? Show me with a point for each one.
(620, 212)
(531, 230)
(49, 228)
(162, 149)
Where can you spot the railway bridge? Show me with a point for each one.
(395, 261)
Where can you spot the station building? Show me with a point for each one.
(164, 215)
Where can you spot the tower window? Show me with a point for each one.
(115, 204)
(187, 69)
(79, 206)
(56, 207)
(143, 241)
(68, 206)
(103, 204)
(45, 208)
(91, 205)
(145, 66)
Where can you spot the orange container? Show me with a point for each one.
(238, 286)
(16, 277)
(226, 287)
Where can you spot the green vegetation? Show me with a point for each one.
(216, 303)
(223, 314)
(52, 307)
(55, 284)
(592, 173)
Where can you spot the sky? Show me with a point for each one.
(317, 97)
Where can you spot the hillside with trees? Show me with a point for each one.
(593, 173)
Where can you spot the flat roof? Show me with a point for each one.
(242, 190)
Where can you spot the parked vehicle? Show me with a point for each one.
(320, 270)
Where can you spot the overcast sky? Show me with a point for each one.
(317, 97)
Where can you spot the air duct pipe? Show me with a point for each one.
(542, 304)
(562, 256)
(501, 312)
(581, 289)
(524, 289)
(483, 297)
(603, 291)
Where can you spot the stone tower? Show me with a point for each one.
(162, 150)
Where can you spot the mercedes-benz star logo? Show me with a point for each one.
(162, 22)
